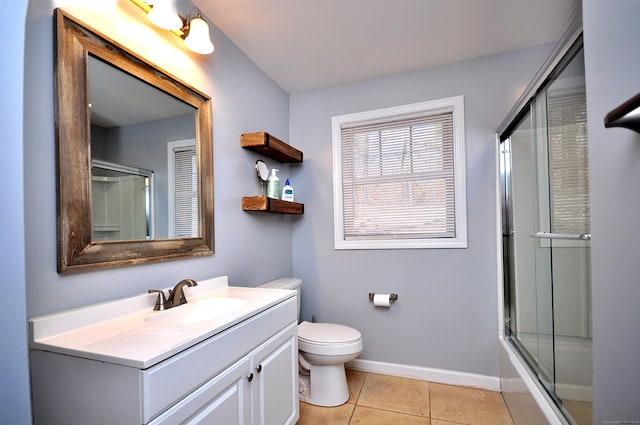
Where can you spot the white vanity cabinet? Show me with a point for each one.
(261, 388)
(275, 382)
(245, 373)
(226, 399)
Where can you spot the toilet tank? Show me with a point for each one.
(292, 283)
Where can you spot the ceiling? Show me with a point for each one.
(311, 44)
(118, 99)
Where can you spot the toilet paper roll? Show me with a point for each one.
(382, 300)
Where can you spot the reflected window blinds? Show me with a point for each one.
(568, 161)
(186, 193)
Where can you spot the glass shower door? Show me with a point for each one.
(530, 312)
(543, 273)
(544, 169)
(564, 235)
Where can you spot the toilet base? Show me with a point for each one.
(325, 386)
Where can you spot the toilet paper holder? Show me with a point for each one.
(392, 297)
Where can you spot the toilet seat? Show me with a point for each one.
(328, 339)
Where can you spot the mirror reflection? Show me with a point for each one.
(121, 202)
(140, 135)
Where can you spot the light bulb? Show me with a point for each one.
(198, 39)
(164, 15)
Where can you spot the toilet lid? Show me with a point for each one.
(327, 333)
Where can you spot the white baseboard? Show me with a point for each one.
(441, 376)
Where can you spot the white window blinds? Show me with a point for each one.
(186, 193)
(397, 178)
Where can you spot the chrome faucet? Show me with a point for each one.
(176, 295)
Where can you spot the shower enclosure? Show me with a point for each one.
(546, 236)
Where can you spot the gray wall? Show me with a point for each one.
(446, 316)
(612, 57)
(250, 248)
(14, 374)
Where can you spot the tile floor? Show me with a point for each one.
(387, 400)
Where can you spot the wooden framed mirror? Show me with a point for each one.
(99, 86)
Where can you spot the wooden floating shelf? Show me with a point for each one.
(262, 203)
(270, 146)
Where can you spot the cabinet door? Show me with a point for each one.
(275, 384)
(225, 399)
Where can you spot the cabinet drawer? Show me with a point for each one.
(166, 383)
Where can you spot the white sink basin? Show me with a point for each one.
(128, 332)
(199, 311)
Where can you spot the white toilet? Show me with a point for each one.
(323, 349)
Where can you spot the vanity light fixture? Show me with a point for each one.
(197, 36)
(194, 31)
(163, 14)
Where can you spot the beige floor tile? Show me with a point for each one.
(468, 405)
(315, 415)
(368, 416)
(439, 422)
(355, 380)
(395, 394)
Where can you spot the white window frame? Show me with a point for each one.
(451, 104)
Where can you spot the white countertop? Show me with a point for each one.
(127, 331)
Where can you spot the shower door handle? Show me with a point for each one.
(568, 236)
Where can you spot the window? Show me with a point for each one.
(399, 179)
(183, 189)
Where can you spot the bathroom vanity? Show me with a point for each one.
(228, 356)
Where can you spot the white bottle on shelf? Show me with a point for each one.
(287, 192)
(273, 184)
